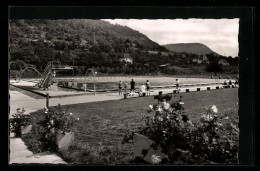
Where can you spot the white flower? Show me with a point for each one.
(78, 119)
(206, 118)
(51, 121)
(214, 109)
(156, 159)
(46, 110)
(151, 106)
(214, 141)
(226, 117)
(71, 114)
(166, 105)
(182, 103)
(189, 122)
(209, 117)
(160, 118)
(159, 109)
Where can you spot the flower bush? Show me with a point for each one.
(213, 139)
(56, 120)
(19, 119)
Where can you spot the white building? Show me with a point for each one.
(223, 62)
(126, 58)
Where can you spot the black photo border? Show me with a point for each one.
(246, 15)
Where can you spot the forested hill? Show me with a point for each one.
(39, 41)
(194, 48)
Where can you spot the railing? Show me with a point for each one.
(52, 65)
(47, 70)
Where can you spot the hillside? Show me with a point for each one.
(83, 30)
(194, 48)
(97, 44)
(88, 42)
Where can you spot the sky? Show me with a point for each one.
(220, 35)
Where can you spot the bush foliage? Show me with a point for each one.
(18, 120)
(55, 121)
(213, 139)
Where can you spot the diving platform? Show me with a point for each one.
(49, 73)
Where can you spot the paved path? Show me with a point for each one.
(20, 154)
(19, 100)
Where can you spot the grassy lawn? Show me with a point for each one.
(99, 132)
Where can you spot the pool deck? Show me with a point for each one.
(54, 91)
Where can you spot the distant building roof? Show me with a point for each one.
(223, 62)
(126, 55)
(164, 65)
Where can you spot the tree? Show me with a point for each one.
(214, 67)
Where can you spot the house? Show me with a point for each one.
(164, 65)
(196, 60)
(223, 62)
(205, 59)
(126, 58)
(201, 59)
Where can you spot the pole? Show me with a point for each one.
(94, 82)
(47, 100)
(73, 67)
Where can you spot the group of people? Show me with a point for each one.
(230, 82)
(227, 83)
(144, 88)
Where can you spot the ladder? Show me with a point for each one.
(47, 73)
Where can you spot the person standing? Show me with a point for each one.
(120, 86)
(132, 86)
(125, 86)
(142, 90)
(177, 83)
(148, 87)
(236, 81)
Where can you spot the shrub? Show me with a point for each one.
(19, 119)
(56, 120)
(213, 139)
